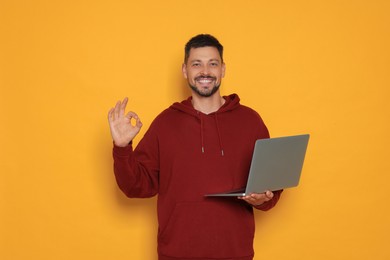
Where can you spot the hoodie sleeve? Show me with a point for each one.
(137, 171)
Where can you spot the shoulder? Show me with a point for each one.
(166, 118)
(248, 112)
(233, 104)
(251, 119)
(167, 114)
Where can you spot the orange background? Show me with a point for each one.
(318, 67)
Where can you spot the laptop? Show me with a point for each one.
(276, 164)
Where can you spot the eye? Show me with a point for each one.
(195, 64)
(214, 64)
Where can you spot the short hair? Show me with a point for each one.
(202, 40)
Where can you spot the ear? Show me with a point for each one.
(184, 70)
(223, 69)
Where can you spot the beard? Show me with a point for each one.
(206, 93)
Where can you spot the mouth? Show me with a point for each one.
(205, 80)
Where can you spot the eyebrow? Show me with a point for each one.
(192, 61)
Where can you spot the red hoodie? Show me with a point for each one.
(184, 155)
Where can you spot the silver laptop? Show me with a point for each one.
(276, 164)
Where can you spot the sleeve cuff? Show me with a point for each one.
(123, 151)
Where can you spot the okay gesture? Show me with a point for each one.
(122, 129)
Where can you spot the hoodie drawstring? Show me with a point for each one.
(219, 134)
(201, 131)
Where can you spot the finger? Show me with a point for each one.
(117, 109)
(257, 200)
(266, 195)
(123, 106)
(269, 194)
(132, 114)
(110, 114)
(252, 201)
(138, 123)
(245, 198)
(257, 196)
(249, 199)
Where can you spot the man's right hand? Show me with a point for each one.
(122, 130)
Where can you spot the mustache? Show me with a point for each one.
(205, 77)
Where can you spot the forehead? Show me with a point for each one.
(204, 54)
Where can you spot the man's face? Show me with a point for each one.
(204, 70)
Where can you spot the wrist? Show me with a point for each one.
(122, 145)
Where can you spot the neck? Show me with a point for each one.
(208, 105)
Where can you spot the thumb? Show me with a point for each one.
(269, 194)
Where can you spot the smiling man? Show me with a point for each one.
(194, 148)
(204, 70)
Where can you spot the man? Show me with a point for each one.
(202, 145)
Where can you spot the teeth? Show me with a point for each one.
(205, 81)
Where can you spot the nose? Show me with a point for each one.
(205, 70)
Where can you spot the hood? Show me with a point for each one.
(231, 102)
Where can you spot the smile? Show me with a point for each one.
(205, 80)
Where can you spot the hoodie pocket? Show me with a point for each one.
(210, 229)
